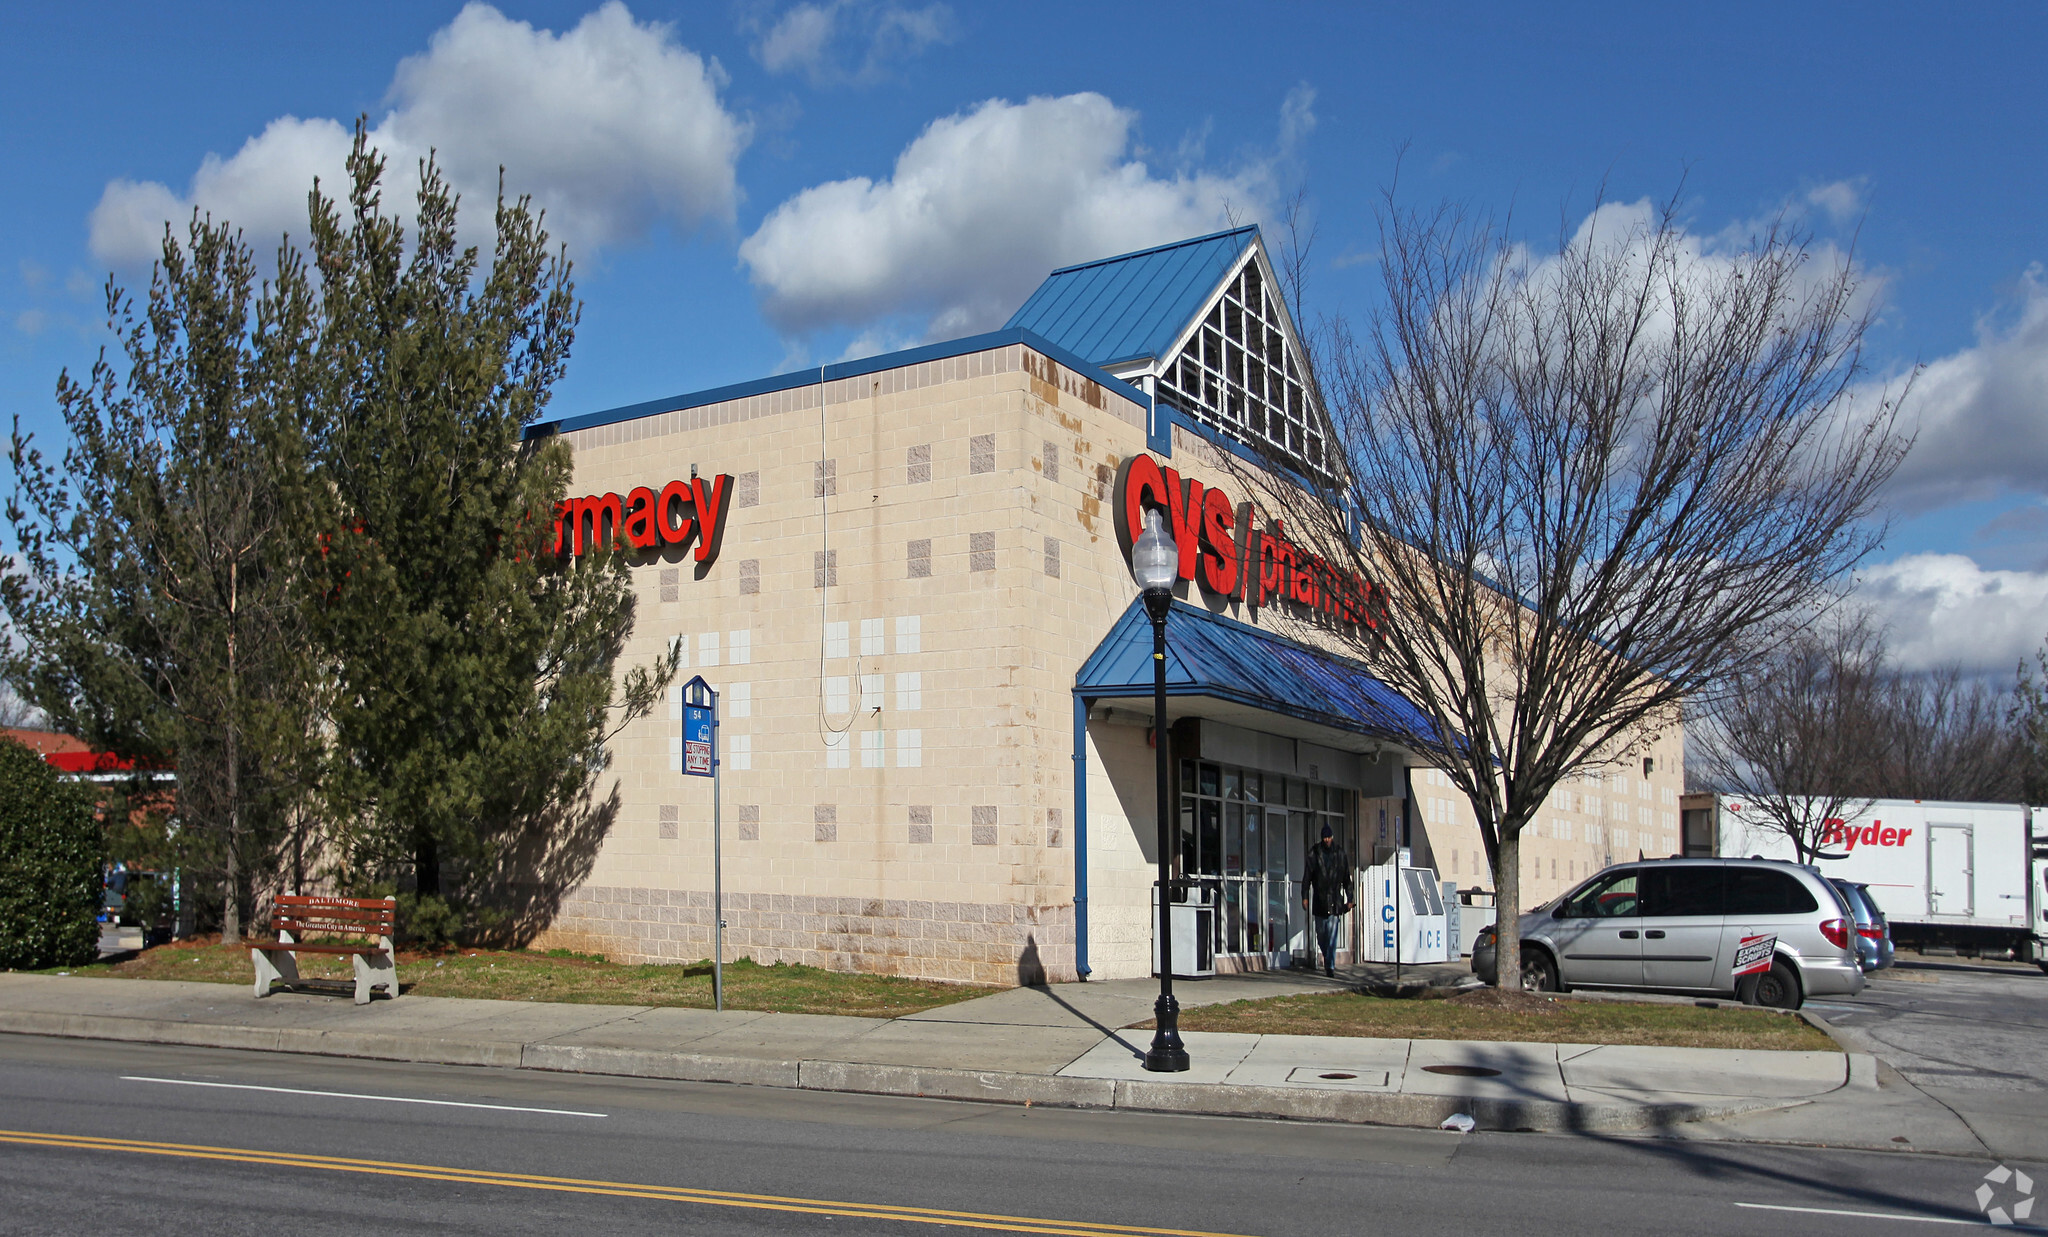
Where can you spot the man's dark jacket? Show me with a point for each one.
(1327, 881)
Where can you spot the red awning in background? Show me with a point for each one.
(89, 762)
(68, 754)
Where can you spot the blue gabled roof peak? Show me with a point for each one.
(1133, 305)
(1247, 231)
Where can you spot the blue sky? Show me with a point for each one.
(749, 187)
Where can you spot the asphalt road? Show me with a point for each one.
(105, 1137)
(1972, 1035)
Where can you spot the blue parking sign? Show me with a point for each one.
(697, 754)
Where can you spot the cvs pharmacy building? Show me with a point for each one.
(908, 577)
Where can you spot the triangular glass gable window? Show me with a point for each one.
(1237, 375)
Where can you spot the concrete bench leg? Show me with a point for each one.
(375, 970)
(272, 965)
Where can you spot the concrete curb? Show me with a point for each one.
(1427, 1111)
(1822, 1025)
(1862, 1074)
(651, 1063)
(951, 1084)
(986, 1086)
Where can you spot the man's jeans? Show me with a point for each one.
(1326, 936)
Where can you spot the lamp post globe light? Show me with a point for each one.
(1155, 565)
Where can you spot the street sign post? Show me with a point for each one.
(700, 759)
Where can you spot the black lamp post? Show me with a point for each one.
(1155, 565)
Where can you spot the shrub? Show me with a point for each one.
(427, 921)
(51, 865)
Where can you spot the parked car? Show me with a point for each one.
(1873, 934)
(139, 897)
(1678, 924)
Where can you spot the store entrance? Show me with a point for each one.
(1244, 839)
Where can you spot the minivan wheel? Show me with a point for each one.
(1777, 988)
(1539, 973)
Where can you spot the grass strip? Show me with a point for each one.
(1527, 1018)
(560, 975)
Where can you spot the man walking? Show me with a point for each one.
(1326, 894)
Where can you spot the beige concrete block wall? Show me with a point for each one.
(1604, 817)
(955, 861)
(1123, 833)
(951, 859)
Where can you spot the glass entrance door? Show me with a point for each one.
(1244, 838)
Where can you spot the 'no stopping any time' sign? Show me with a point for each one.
(697, 740)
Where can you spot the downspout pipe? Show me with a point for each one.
(1081, 967)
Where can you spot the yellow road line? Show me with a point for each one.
(621, 1189)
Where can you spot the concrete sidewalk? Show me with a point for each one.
(1061, 1045)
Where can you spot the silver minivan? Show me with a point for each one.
(1680, 924)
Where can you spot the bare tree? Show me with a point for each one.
(1800, 737)
(14, 711)
(2029, 719)
(1583, 487)
(1947, 736)
(1829, 725)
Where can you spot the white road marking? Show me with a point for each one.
(350, 1095)
(1877, 1215)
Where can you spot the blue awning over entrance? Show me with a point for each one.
(1220, 668)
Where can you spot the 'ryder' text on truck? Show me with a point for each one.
(1972, 877)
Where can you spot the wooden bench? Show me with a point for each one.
(296, 917)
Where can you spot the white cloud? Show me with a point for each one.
(978, 208)
(875, 341)
(1297, 117)
(1841, 200)
(611, 126)
(800, 40)
(262, 188)
(1942, 609)
(1699, 260)
(1981, 414)
(1675, 268)
(807, 39)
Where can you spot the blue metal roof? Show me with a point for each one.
(1209, 655)
(843, 369)
(1134, 305)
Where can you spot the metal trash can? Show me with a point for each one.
(1194, 936)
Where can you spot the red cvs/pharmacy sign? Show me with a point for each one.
(681, 515)
(1226, 552)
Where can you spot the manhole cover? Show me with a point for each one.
(1462, 1071)
(1336, 1075)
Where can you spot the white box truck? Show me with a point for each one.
(1972, 877)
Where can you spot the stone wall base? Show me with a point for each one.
(968, 942)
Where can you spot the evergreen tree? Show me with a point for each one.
(298, 548)
(473, 669)
(153, 588)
